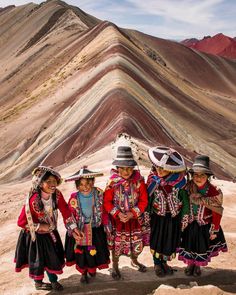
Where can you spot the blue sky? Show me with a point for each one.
(169, 19)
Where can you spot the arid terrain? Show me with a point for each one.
(220, 273)
(219, 45)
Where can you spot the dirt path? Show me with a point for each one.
(223, 279)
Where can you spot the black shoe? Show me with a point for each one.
(84, 279)
(189, 270)
(139, 266)
(43, 286)
(115, 273)
(57, 286)
(197, 271)
(159, 271)
(168, 270)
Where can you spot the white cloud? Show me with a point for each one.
(179, 19)
(186, 11)
(175, 19)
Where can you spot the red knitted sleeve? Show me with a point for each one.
(22, 220)
(63, 206)
(142, 201)
(108, 203)
(216, 218)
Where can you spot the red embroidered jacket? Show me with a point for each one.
(38, 215)
(140, 201)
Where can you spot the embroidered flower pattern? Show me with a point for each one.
(73, 203)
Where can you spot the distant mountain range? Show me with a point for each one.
(70, 83)
(219, 45)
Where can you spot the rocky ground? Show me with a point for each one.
(220, 273)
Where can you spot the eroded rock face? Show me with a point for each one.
(70, 83)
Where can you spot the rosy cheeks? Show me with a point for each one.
(49, 185)
(199, 179)
(125, 172)
(85, 186)
(126, 175)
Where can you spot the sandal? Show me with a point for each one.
(167, 269)
(139, 266)
(116, 275)
(43, 286)
(197, 271)
(159, 271)
(189, 270)
(84, 279)
(57, 286)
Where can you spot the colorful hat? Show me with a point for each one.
(167, 158)
(83, 173)
(201, 164)
(40, 171)
(124, 157)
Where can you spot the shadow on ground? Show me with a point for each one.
(134, 282)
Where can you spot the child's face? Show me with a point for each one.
(49, 185)
(125, 172)
(162, 172)
(199, 179)
(85, 186)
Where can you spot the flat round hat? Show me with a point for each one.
(83, 173)
(167, 158)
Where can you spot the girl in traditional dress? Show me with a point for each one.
(203, 238)
(39, 245)
(168, 206)
(125, 200)
(91, 252)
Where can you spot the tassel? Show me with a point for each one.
(92, 250)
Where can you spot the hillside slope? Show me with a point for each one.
(70, 83)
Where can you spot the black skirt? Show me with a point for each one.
(196, 246)
(88, 258)
(165, 235)
(46, 253)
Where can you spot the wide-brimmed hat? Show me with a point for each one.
(124, 157)
(40, 171)
(83, 173)
(201, 164)
(167, 158)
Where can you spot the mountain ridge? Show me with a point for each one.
(218, 44)
(71, 92)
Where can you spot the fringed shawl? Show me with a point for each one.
(211, 199)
